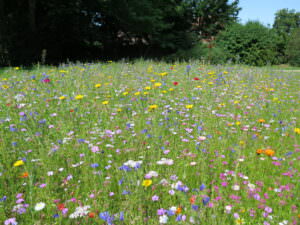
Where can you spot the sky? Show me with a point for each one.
(264, 10)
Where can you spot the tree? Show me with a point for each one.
(211, 16)
(252, 44)
(293, 48)
(285, 22)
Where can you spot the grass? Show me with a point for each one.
(149, 143)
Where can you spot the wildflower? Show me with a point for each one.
(175, 83)
(152, 107)
(239, 221)
(193, 199)
(259, 151)
(78, 97)
(137, 93)
(18, 163)
(163, 74)
(297, 130)
(11, 221)
(4, 86)
(98, 85)
(155, 198)
(158, 84)
(261, 121)
(148, 88)
(39, 206)
(47, 80)
(269, 152)
(163, 219)
(146, 183)
(196, 78)
(92, 215)
(24, 175)
(62, 97)
(104, 102)
(189, 106)
(236, 187)
(178, 210)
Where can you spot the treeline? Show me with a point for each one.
(56, 31)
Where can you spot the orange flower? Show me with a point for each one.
(261, 121)
(259, 151)
(269, 152)
(92, 215)
(178, 210)
(24, 175)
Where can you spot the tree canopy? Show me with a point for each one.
(89, 29)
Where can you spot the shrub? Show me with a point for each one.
(252, 44)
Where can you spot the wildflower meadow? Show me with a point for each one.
(149, 143)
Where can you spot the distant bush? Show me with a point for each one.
(251, 44)
(200, 51)
(293, 48)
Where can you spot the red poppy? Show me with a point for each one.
(61, 206)
(196, 78)
(175, 83)
(71, 110)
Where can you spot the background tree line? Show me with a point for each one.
(55, 31)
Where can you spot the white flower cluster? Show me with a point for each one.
(80, 212)
(132, 163)
(165, 161)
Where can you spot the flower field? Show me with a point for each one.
(149, 143)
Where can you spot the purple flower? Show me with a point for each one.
(205, 200)
(202, 187)
(11, 221)
(161, 211)
(268, 209)
(155, 198)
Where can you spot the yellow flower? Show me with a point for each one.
(239, 221)
(163, 74)
(18, 163)
(152, 80)
(171, 89)
(78, 97)
(157, 84)
(119, 110)
(148, 88)
(62, 97)
(137, 93)
(4, 86)
(125, 93)
(238, 123)
(164, 91)
(17, 68)
(104, 102)
(297, 130)
(189, 106)
(146, 92)
(147, 183)
(199, 86)
(150, 69)
(98, 85)
(152, 107)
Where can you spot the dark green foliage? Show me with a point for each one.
(54, 31)
(285, 22)
(293, 48)
(252, 44)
